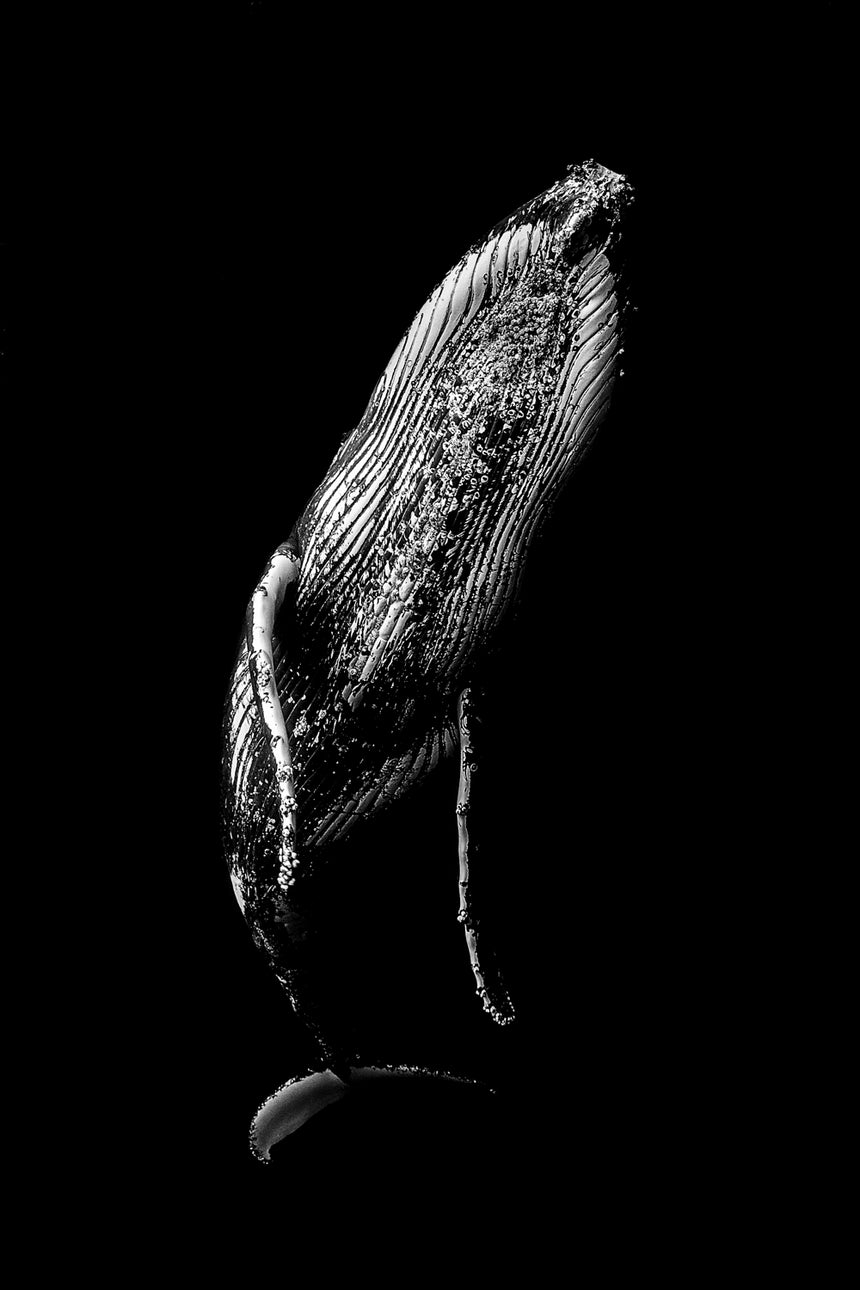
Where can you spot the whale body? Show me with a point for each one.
(376, 614)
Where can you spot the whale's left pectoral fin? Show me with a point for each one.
(283, 569)
(490, 989)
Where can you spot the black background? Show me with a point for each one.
(269, 200)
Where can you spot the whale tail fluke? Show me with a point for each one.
(304, 1096)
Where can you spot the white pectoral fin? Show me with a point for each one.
(283, 568)
(494, 997)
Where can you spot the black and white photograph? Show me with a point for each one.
(414, 900)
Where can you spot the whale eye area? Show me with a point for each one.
(589, 233)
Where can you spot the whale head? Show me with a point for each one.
(539, 354)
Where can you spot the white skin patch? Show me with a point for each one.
(237, 891)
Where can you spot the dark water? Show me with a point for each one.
(244, 210)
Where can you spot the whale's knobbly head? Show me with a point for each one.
(590, 207)
(529, 376)
(581, 213)
(486, 359)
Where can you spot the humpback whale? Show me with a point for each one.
(364, 640)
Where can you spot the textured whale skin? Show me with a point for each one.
(375, 616)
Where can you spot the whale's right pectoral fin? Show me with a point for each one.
(491, 991)
(283, 569)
